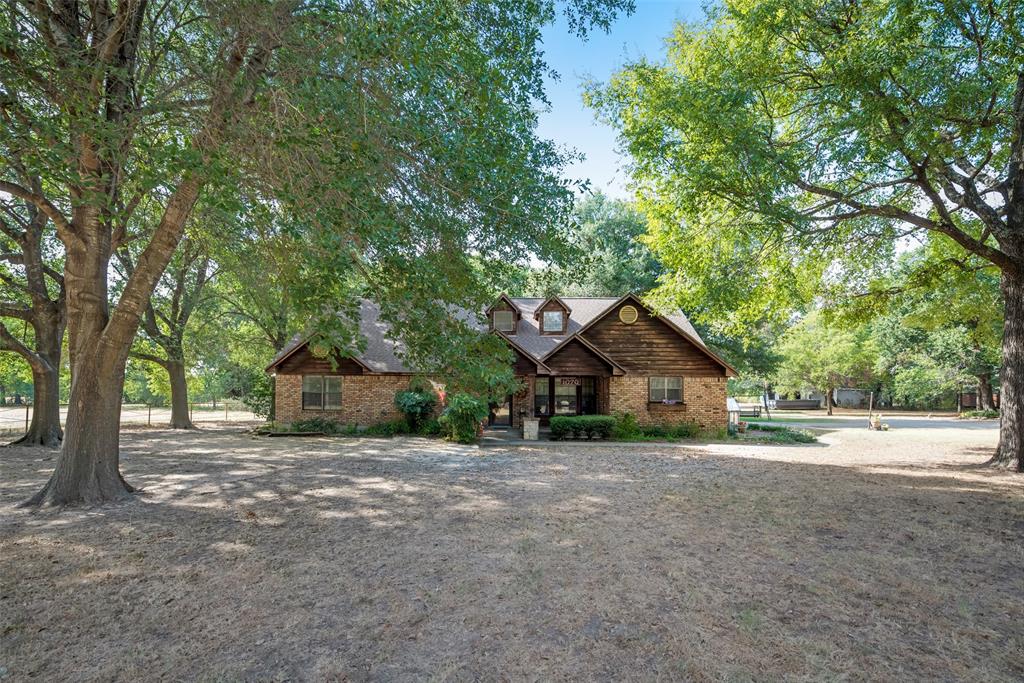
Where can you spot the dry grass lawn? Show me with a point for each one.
(871, 556)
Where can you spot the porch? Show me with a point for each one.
(544, 396)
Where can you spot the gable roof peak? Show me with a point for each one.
(557, 299)
(503, 297)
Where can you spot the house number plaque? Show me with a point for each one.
(570, 381)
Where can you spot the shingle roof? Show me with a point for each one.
(381, 354)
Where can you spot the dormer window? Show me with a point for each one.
(554, 322)
(503, 315)
(504, 321)
(552, 316)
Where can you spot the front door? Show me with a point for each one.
(501, 413)
(567, 399)
(565, 396)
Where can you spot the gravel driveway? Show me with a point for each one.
(868, 556)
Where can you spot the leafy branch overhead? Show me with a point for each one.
(799, 147)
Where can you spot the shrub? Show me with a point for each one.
(626, 427)
(391, 428)
(979, 413)
(416, 405)
(784, 434)
(431, 427)
(582, 426)
(260, 398)
(316, 424)
(462, 418)
(683, 430)
(654, 431)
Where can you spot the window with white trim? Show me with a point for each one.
(553, 321)
(505, 321)
(321, 392)
(663, 389)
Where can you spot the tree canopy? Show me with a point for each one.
(796, 145)
(395, 139)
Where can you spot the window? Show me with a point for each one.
(565, 396)
(666, 389)
(540, 397)
(504, 321)
(321, 393)
(552, 321)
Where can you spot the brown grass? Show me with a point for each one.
(860, 558)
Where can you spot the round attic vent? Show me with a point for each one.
(628, 314)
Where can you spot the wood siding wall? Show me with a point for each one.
(523, 365)
(650, 347)
(576, 359)
(303, 362)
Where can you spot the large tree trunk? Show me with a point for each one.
(985, 400)
(179, 395)
(87, 471)
(44, 430)
(44, 359)
(1011, 396)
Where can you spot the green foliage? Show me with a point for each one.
(986, 414)
(608, 257)
(462, 417)
(374, 148)
(416, 406)
(627, 428)
(260, 397)
(581, 427)
(783, 434)
(818, 356)
(937, 325)
(785, 151)
(431, 427)
(316, 424)
(15, 376)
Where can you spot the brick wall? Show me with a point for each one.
(365, 399)
(703, 401)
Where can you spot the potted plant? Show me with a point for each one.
(741, 427)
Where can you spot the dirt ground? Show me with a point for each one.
(869, 556)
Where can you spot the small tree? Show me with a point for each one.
(824, 358)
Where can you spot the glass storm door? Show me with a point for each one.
(567, 395)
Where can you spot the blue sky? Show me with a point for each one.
(568, 122)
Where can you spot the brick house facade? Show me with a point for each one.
(572, 356)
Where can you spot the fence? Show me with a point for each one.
(14, 419)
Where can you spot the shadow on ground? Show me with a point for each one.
(334, 559)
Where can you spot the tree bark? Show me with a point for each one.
(1011, 397)
(179, 395)
(828, 400)
(87, 470)
(44, 429)
(44, 360)
(985, 400)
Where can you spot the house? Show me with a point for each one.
(573, 355)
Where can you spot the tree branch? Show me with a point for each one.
(64, 226)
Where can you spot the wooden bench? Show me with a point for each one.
(750, 411)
